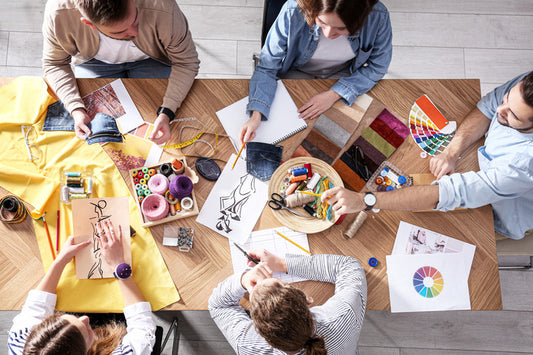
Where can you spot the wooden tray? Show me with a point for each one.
(179, 215)
(305, 224)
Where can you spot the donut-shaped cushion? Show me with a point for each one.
(154, 207)
(180, 186)
(158, 184)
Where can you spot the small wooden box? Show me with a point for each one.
(179, 214)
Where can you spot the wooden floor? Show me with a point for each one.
(490, 39)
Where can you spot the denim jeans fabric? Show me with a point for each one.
(58, 118)
(103, 129)
(262, 159)
(143, 69)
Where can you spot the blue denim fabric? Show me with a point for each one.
(143, 69)
(103, 129)
(262, 159)
(291, 43)
(58, 118)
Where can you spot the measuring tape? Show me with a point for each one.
(15, 206)
(185, 143)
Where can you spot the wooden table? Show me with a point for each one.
(196, 273)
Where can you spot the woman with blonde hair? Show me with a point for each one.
(38, 330)
(281, 317)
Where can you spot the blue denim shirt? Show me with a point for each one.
(505, 179)
(291, 42)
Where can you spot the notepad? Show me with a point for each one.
(282, 123)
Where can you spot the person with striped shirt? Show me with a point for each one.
(39, 330)
(281, 319)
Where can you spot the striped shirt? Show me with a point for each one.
(338, 321)
(140, 326)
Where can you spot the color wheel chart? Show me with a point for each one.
(428, 282)
(429, 128)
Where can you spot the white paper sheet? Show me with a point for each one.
(411, 239)
(235, 202)
(268, 239)
(282, 123)
(406, 292)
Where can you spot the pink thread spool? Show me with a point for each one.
(154, 207)
(158, 184)
(180, 186)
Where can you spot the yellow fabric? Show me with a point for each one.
(24, 102)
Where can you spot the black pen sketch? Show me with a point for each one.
(99, 216)
(231, 206)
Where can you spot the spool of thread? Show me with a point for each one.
(154, 207)
(309, 170)
(145, 170)
(89, 184)
(172, 210)
(77, 196)
(356, 224)
(74, 180)
(72, 173)
(158, 184)
(65, 194)
(165, 169)
(299, 178)
(299, 171)
(296, 200)
(177, 167)
(311, 184)
(170, 199)
(180, 187)
(291, 188)
(76, 190)
(187, 203)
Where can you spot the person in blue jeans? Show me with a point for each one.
(346, 39)
(505, 177)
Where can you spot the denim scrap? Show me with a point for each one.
(262, 159)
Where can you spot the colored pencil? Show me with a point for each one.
(290, 241)
(238, 155)
(310, 193)
(57, 232)
(48, 235)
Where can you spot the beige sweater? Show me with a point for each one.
(163, 34)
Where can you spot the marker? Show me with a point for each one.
(238, 155)
(290, 241)
(245, 253)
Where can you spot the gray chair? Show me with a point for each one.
(271, 10)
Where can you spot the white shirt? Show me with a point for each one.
(116, 51)
(329, 55)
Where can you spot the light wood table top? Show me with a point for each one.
(197, 272)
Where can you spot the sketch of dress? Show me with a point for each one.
(231, 205)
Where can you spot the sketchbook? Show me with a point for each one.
(283, 120)
(268, 239)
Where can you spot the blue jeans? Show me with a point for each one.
(144, 69)
(262, 159)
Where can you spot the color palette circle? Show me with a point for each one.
(428, 282)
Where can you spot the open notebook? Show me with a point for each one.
(282, 123)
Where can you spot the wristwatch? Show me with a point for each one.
(167, 112)
(369, 200)
(122, 271)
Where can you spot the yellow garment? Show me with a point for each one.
(24, 102)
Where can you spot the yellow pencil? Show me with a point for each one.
(238, 155)
(310, 193)
(290, 241)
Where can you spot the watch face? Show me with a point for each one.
(370, 199)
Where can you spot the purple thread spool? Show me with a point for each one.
(180, 186)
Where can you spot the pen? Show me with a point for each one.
(245, 253)
(238, 155)
(290, 241)
(57, 232)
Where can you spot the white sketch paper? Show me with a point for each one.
(268, 239)
(427, 282)
(235, 202)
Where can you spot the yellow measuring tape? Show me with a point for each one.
(186, 143)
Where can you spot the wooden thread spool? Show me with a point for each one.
(356, 224)
(297, 200)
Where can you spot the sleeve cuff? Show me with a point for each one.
(137, 308)
(37, 296)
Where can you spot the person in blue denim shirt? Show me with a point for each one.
(505, 178)
(346, 39)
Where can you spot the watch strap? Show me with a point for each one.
(167, 112)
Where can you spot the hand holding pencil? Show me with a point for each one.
(275, 263)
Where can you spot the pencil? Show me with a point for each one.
(290, 241)
(238, 155)
(310, 193)
(48, 235)
(57, 232)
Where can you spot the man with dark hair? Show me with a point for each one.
(505, 179)
(118, 39)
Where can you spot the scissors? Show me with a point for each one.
(278, 203)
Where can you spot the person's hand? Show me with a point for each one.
(81, 120)
(260, 272)
(110, 243)
(343, 200)
(274, 262)
(161, 132)
(70, 249)
(247, 131)
(318, 104)
(442, 164)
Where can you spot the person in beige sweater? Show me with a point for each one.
(118, 39)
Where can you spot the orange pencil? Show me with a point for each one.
(48, 235)
(238, 155)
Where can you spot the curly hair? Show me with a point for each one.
(281, 315)
(103, 12)
(352, 12)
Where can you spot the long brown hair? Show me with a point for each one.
(56, 335)
(352, 12)
(281, 315)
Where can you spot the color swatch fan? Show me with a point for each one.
(429, 128)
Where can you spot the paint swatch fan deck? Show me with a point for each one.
(429, 128)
